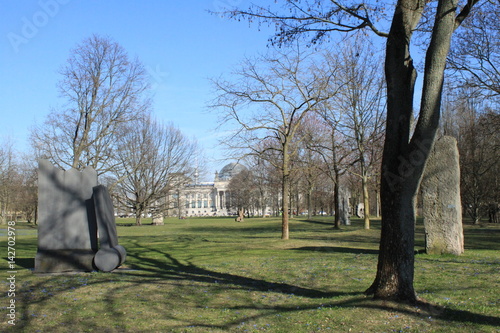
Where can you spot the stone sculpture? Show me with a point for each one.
(71, 211)
(442, 209)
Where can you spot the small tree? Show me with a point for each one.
(242, 193)
(310, 158)
(331, 145)
(152, 157)
(8, 180)
(362, 101)
(476, 126)
(27, 190)
(267, 103)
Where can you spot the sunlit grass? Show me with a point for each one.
(217, 275)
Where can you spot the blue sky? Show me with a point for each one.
(179, 42)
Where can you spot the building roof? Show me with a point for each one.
(230, 170)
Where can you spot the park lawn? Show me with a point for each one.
(217, 275)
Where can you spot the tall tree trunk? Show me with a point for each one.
(377, 209)
(366, 201)
(336, 174)
(336, 201)
(285, 193)
(309, 203)
(395, 268)
(403, 160)
(285, 206)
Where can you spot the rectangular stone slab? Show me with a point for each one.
(65, 216)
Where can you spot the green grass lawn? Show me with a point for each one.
(217, 275)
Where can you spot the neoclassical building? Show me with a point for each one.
(205, 198)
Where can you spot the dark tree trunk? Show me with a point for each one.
(285, 192)
(336, 201)
(309, 204)
(366, 201)
(395, 270)
(285, 204)
(403, 160)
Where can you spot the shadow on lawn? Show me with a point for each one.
(175, 270)
(335, 249)
(329, 223)
(162, 266)
(28, 263)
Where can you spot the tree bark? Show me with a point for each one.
(336, 201)
(366, 201)
(285, 204)
(403, 160)
(395, 270)
(309, 203)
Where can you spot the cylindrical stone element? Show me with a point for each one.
(107, 259)
(123, 253)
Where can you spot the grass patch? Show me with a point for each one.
(216, 275)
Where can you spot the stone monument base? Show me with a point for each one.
(58, 261)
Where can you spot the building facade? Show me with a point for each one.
(204, 198)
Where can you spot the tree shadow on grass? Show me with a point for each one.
(173, 269)
(28, 263)
(156, 268)
(329, 223)
(335, 249)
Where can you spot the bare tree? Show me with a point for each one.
(475, 55)
(263, 176)
(153, 158)
(361, 101)
(27, 189)
(267, 103)
(102, 88)
(405, 153)
(243, 193)
(309, 159)
(475, 124)
(8, 178)
(336, 155)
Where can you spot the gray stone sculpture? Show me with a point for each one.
(441, 204)
(67, 238)
(69, 220)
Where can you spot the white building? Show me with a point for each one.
(205, 198)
